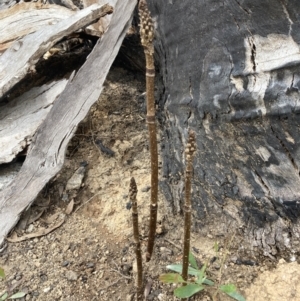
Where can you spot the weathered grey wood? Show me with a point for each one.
(25, 18)
(23, 54)
(20, 118)
(230, 71)
(97, 29)
(67, 3)
(8, 172)
(5, 4)
(46, 155)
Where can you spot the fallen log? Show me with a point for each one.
(25, 53)
(46, 154)
(25, 18)
(20, 118)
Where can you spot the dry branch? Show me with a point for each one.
(46, 155)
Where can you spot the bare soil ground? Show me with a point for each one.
(90, 256)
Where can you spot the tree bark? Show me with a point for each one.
(229, 71)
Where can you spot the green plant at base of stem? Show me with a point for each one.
(198, 283)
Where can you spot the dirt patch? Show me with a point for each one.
(283, 284)
(91, 255)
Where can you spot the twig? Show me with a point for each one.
(189, 152)
(126, 277)
(172, 243)
(147, 35)
(87, 201)
(135, 224)
(109, 285)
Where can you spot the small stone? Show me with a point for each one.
(65, 248)
(75, 181)
(159, 229)
(71, 275)
(103, 259)
(37, 264)
(90, 265)
(145, 189)
(161, 297)
(126, 269)
(165, 251)
(281, 261)
(130, 297)
(293, 258)
(43, 277)
(235, 190)
(30, 228)
(65, 263)
(18, 277)
(233, 259)
(47, 289)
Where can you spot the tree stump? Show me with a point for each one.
(229, 71)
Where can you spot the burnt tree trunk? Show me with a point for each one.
(230, 72)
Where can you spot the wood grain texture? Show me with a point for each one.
(97, 29)
(24, 53)
(20, 118)
(25, 18)
(46, 155)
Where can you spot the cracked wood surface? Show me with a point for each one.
(25, 18)
(20, 118)
(46, 154)
(24, 53)
(97, 29)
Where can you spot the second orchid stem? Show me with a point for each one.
(189, 155)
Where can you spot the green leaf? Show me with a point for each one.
(208, 282)
(17, 295)
(192, 260)
(201, 275)
(230, 290)
(2, 273)
(171, 278)
(216, 247)
(178, 268)
(4, 296)
(187, 290)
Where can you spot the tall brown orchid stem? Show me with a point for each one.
(189, 155)
(147, 35)
(135, 224)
